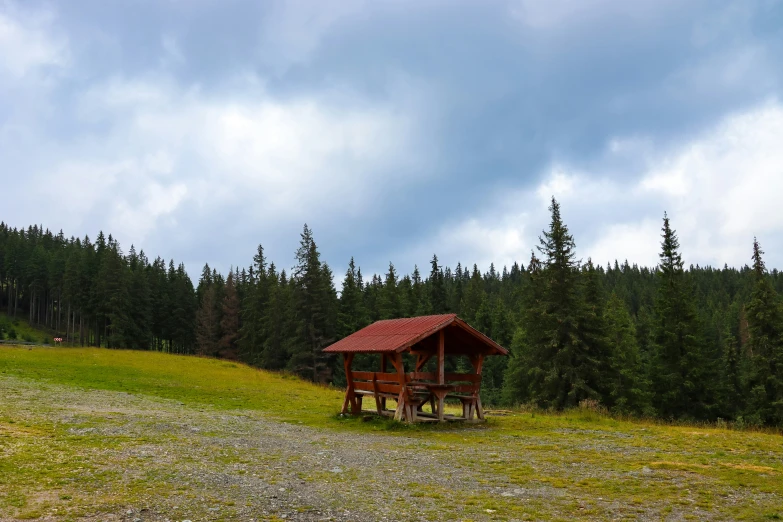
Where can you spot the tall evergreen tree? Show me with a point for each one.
(765, 347)
(626, 384)
(229, 324)
(352, 314)
(677, 366)
(314, 303)
(207, 325)
(437, 294)
(389, 299)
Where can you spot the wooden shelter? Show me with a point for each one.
(427, 337)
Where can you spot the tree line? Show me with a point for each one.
(695, 343)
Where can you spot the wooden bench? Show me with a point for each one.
(383, 386)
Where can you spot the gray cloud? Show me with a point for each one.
(395, 129)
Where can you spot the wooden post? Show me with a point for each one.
(378, 406)
(349, 391)
(383, 370)
(441, 357)
(477, 362)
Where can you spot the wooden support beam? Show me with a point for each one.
(400, 414)
(350, 396)
(421, 360)
(378, 405)
(441, 357)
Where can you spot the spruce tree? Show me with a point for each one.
(565, 371)
(437, 293)
(352, 314)
(314, 304)
(277, 321)
(207, 326)
(472, 297)
(765, 347)
(389, 298)
(253, 333)
(678, 368)
(229, 324)
(530, 335)
(626, 383)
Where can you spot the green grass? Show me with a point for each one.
(599, 467)
(23, 330)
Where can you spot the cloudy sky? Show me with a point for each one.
(197, 129)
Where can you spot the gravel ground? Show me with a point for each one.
(136, 458)
(238, 464)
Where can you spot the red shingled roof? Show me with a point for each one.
(396, 335)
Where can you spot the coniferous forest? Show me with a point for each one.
(695, 343)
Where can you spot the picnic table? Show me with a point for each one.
(427, 338)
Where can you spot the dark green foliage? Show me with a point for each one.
(229, 323)
(562, 342)
(679, 370)
(315, 307)
(626, 387)
(207, 323)
(352, 314)
(696, 343)
(765, 347)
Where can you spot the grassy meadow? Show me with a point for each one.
(62, 452)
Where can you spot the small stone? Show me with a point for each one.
(136, 520)
(129, 512)
(646, 470)
(186, 520)
(506, 494)
(490, 510)
(336, 470)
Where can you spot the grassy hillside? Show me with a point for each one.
(24, 331)
(73, 423)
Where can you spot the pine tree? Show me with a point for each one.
(229, 324)
(389, 299)
(563, 370)
(277, 321)
(352, 314)
(473, 296)
(678, 368)
(627, 387)
(314, 303)
(529, 336)
(765, 347)
(207, 326)
(253, 333)
(437, 294)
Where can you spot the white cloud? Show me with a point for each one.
(162, 147)
(28, 42)
(720, 189)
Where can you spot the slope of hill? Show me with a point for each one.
(22, 330)
(111, 434)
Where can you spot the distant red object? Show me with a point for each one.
(58, 339)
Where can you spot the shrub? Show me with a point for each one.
(28, 338)
(12, 333)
